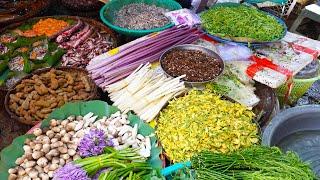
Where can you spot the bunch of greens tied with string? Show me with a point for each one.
(125, 164)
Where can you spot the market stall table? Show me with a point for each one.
(169, 119)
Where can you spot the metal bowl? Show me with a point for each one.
(198, 48)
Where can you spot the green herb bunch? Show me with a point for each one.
(241, 22)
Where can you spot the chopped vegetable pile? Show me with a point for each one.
(241, 22)
(256, 162)
(203, 121)
(48, 27)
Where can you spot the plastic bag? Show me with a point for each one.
(199, 5)
(233, 52)
(183, 16)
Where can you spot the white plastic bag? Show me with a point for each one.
(233, 52)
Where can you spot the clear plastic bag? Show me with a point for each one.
(234, 52)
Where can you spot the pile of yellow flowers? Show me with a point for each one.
(203, 121)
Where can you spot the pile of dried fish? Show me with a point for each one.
(141, 16)
(74, 35)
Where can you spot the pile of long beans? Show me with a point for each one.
(118, 63)
(256, 162)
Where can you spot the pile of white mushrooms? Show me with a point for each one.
(55, 146)
(51, 149)
(118, 130)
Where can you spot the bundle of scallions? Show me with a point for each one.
(145, 92)
(112, 164)
(254, 163)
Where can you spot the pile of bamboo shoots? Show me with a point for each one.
(145, 92)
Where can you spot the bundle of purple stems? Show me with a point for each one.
(107, 69)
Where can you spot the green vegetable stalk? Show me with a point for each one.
(120, 164)
(111, 158)
(256, 162)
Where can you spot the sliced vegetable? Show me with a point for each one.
(145, 92)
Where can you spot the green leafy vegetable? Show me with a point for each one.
(241, 22)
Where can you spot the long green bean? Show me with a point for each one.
(252, 163)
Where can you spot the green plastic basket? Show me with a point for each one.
(299, 88)
(109, 10)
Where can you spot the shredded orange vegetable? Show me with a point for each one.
(47, 27)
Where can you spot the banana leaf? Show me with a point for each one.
(52, 59)
(9, 154)
(99, 108)
(3, 65)
(4, 76)
(27, 68)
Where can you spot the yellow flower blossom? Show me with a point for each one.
(204, 121)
